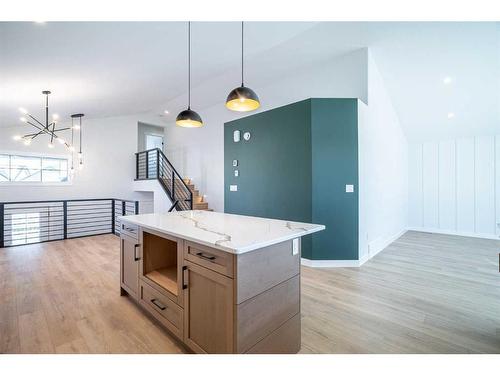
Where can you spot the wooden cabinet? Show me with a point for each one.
(208, 310)
(215, 301)
(129, 265)
(168, 313)
(208, 257)
(161, 263)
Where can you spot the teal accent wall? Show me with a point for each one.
(295, 167)
(334, 139)
(274, 166)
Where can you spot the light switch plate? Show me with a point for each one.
(295, 246)
(235, 163)
(236, 173)
(233, 187)
(236, 136)
(349, 188)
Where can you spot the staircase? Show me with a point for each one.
(154, 165)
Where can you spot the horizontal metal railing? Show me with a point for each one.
(30, 222)
(153, 164)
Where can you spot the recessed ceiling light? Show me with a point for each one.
(166, 112)
(451, 115)
(447, 80)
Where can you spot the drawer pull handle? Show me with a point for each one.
(136, 258)
(155, 302)
(207, 257)
(184, 278)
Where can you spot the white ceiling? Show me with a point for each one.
(108, 69)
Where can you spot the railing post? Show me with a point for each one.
(136, 207)
(147, 164)
(158, 163)
(173, 186)
(113, 216)
(65, 219)
(2, 212)
(136, 167)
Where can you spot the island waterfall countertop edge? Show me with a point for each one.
(234, 234)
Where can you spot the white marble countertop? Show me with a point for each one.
(235, 234)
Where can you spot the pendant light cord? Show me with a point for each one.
(189, 65)
(242, 54)
(47, 111)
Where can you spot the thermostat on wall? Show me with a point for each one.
(235, 163)
(246, 136)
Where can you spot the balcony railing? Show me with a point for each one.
(24, 223)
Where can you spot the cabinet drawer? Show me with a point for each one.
(130, 230)
(213, 259)
(162, 308)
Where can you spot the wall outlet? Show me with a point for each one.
(349, 188)
(236, 173)
(233, 187)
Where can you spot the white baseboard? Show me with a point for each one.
(374, 248)
(455, 233)
(380, 244)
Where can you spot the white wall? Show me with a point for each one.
(455, 186)
(383, 158)
(109, 145)
(199, 153)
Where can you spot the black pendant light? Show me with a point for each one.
(242, 99)
(189, 118)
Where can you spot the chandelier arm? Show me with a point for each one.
(36, 135)
(60, 130)
(32, 134)
(34, 118)
(52, 133)
(37, 127)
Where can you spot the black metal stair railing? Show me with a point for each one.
(154, 165)
(31, 222)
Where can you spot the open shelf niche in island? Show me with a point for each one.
(160, 261)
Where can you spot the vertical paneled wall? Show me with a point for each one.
(454, 186)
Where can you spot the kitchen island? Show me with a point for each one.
(220, 283)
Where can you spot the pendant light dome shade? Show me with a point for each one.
(189, 119)
(242, 99)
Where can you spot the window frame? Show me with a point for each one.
(41, 156)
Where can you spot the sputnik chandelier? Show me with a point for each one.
(49, 129)
(43, 128)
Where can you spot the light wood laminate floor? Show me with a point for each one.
(425, 293)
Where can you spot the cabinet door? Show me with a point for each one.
(208, 310)
(129, 269)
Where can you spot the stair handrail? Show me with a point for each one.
(159, 153)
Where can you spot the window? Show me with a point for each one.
(23, 168)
